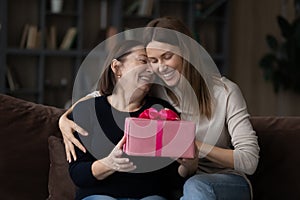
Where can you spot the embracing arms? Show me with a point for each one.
(67, 128)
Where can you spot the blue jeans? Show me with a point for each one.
(216, 186)
(104, 197)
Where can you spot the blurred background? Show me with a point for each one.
(255, 43)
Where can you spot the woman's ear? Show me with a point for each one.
(115, 67)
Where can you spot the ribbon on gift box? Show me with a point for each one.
(163, 114)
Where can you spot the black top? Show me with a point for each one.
(105, 126)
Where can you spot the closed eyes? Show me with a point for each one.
(165, 56)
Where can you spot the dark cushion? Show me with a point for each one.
(24, 157)
(60, 184)
(277, 175)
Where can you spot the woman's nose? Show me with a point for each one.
(162, 67)
(149, 69)
(158, 66)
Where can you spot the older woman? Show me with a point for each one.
(103, 172)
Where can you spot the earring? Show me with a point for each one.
(118, 76)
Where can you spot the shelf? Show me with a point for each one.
(61, 52)
(137, 17)
(49, 52)
(37, 52)
(62, 14)
(23, 91)
(45, 69)
(213, 19)
(18, 51)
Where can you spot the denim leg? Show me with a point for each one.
(98, 197)
(104, 197)
(216, 186)
(154, 197)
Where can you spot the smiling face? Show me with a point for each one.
(166, 61)
(133, 70)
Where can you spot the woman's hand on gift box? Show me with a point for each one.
(188, 166)
(112, 163)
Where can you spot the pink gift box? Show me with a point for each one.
(162, 138)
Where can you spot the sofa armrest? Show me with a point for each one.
(277, 175)
(24, 156)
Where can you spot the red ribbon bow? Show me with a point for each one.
(164, 114)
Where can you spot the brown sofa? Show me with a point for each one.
(33, 164)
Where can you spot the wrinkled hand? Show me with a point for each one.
(115, 161)
(67, 127)
(188, 166)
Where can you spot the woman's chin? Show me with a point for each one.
(172, 82)
(144, 88)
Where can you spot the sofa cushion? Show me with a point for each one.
(277, 175)
(24, 158)
(60, 184)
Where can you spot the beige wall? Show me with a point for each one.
(250, 21)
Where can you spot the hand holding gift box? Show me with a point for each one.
(159, 133)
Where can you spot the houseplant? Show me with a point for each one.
(281, 66)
